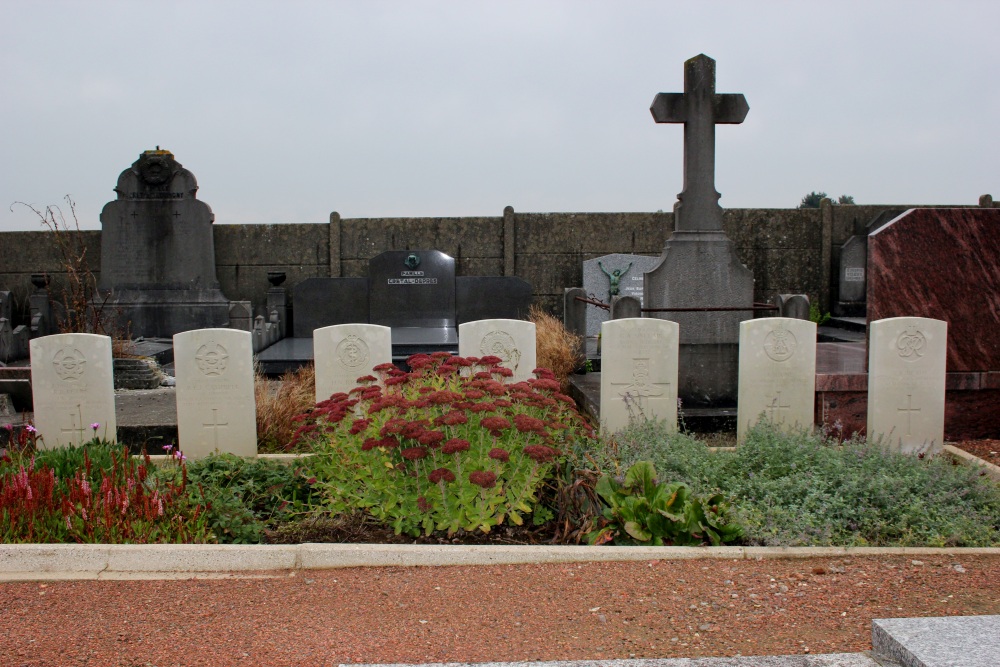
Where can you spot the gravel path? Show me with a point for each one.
(652, 609)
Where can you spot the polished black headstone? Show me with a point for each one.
(491, 297)
(414, 293)
(323, 302)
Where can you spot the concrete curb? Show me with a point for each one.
(20, 562)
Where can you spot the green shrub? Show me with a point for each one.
(444, 447)
(797, 489)
(642, 510)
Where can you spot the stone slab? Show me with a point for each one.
(906, 383)
(638, 372)
(511, 340)
(954, 641)
(942, 264)
(597, 282)
(491, 297)
(777, 373)
(215, 394)
(346, 352)
(323, 302)
(72, 387)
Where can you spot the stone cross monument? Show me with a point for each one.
(699, 267)
(158, 251)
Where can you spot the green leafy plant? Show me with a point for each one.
(816, 316)
(246, 497)
(446, 446)
(643, 510)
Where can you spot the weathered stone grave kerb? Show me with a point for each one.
(906, 383)
(215, 398)
(72, 387)
(699, 267)
(638, 372)
(777, 373)
(608, 276)
(345, 352)
(158, 251)
(511, 340)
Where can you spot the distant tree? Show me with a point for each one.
(813, 199)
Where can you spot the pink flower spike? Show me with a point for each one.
(95, 426)
(9, 427)
(30, 429)
(167, 448)
(179, 455)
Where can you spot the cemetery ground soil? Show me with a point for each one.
(561, 611)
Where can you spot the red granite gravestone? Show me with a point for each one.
(944, 264)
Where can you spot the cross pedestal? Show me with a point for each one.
(699, 267)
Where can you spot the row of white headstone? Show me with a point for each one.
(73, 385)
(777, 376)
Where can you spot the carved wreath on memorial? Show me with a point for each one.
(69, 364)
(156, 167)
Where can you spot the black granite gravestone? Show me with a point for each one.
(158, 251)
(413, 292)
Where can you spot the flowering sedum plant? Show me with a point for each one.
(446, 446)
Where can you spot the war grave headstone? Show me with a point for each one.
(638, 372)
(511, 340)
(699, 267)
(777, 373)
(72, 387)
(215, 397)
(617, 274)
(906, 383)
(345, 352)
(158, 251)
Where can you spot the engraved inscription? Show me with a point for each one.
(353, 352)
(69, 364)
(413, 281)
(854, 274)
(780, 344)
(910, 344)
(212, 359)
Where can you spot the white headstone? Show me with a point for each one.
(906, 375)
(638, 372)
(511, 340)
(72, 386)
(215, 399)
(345, 352)
(777, 373)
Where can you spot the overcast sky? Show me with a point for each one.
(286, 111)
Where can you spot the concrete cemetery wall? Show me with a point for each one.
(788, 250)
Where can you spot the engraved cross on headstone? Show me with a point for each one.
(777, 406)
(215, 425)
(79, 430)
(909, 410)
(699, 108)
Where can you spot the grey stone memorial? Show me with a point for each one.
(617, 274)
(158, 251)
(625, 306)
(413, 293)
(853, 263)
(795, 306)
(699, 267)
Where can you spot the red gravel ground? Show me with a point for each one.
(987, 450)
(518, 612)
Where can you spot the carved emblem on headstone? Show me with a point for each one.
(500, 344)
(641, 388)
(412, 261)
(157, 167)
(353, 352)
(910, 344)
(212, 359)
(69, 364)
(780, 344)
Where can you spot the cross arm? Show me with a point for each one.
(672, 108)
